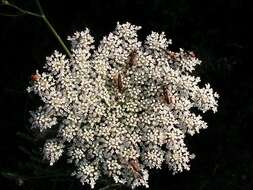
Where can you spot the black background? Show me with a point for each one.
(218, 31)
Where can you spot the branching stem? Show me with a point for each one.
(44, 18)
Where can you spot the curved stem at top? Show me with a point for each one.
(41, 15)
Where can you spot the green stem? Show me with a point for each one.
(43, 16)
(22, 10)
(56, 35)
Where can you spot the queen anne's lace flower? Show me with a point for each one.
(122, 108)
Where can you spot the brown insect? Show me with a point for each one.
(135, 167)
(168, 97)
(172, 55)
(132, 58)
(35, 77)
(192, 54)
(118, 82)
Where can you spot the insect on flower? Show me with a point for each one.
(118, 82)
(172, 55)
(132, 58)
(35, 77)
(135, 167)
(192, 54)
(168, 97)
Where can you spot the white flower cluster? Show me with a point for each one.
(122, 108)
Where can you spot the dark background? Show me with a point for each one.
(218, 31)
